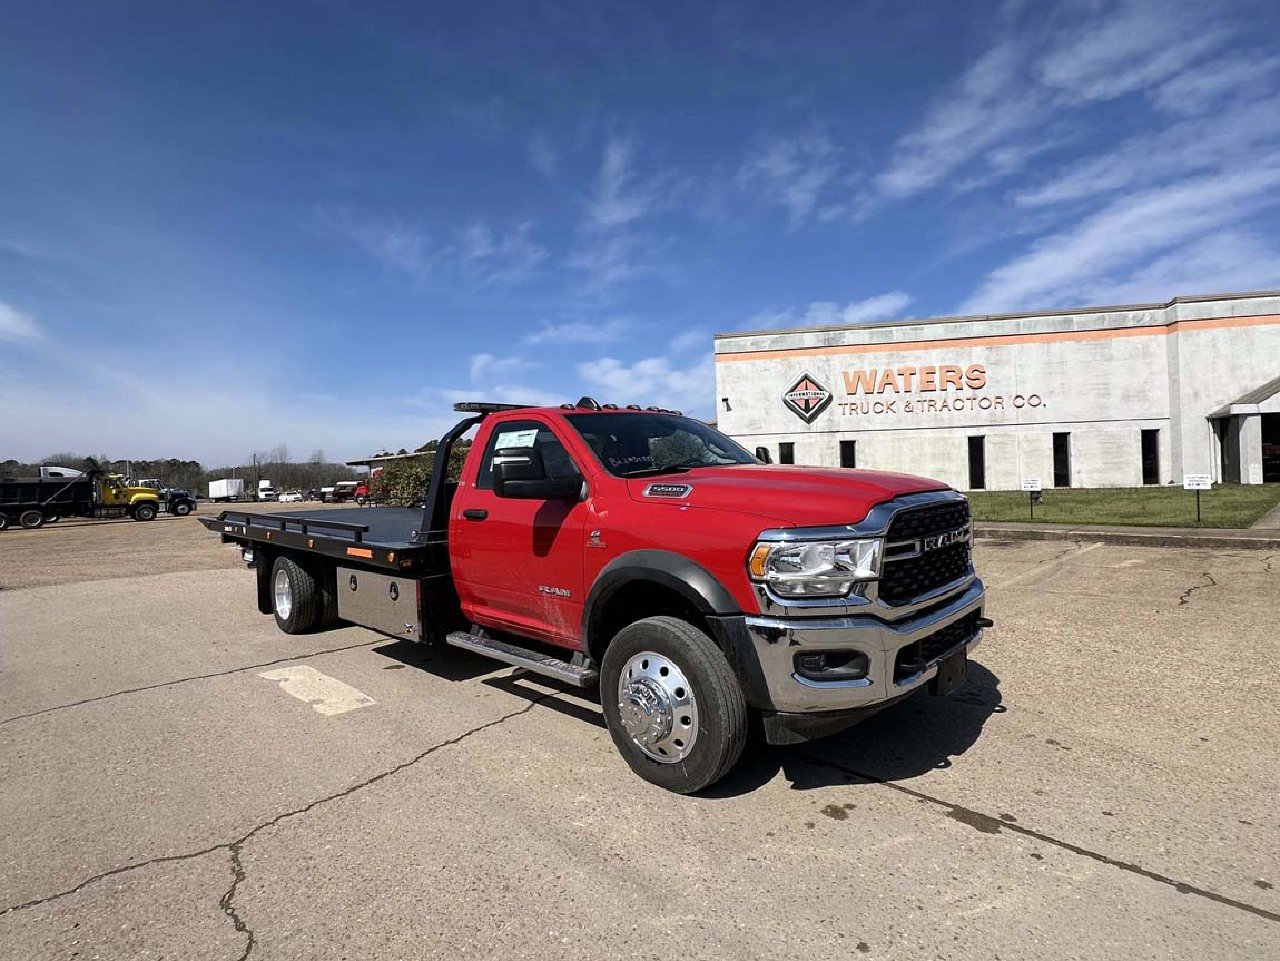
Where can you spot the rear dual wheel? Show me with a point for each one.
(31, 520)
(4, 522)
(673, 705)
(301, 599)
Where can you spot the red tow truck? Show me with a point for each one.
(647, 553)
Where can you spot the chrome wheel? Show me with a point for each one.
(656, 706)
(284, 595)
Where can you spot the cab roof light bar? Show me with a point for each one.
(584, 403)
(484, 407)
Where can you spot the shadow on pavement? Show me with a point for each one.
(450, 663)
(913, 737)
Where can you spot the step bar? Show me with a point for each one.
(547, 665)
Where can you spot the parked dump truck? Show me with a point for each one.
(33, 502)
(648, 553)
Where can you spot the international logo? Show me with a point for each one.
(806, 398)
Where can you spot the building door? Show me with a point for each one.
(1271, 448)
(1061, 460)
(977, 463)
(849, 454)
(1151, 457)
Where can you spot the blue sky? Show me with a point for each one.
(233, 226)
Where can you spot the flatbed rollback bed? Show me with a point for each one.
(644, 551)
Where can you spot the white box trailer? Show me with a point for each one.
(231, 489)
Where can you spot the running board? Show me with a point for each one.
(535, 661)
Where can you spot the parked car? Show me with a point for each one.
(290, 497)
(314, 494)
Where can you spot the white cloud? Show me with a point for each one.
(394, 244)
(657, 381)
(1024, 96)
(1138, 44)
(544, 156)
(1124, 235)
(206, 409)
(17, 327)
(827, 314)
(609, 261)
(579, 332)
(491, 366)
(620, 197)
(1184, 148)
(506, 257)
(1224, 262)
(796, 173)
(691, 339)
(988, 106)
(1203, 86)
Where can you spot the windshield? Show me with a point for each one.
(633, 445)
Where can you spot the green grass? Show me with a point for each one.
(1227, 505)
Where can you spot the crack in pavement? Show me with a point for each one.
(236, 846)
(1186, 595)
(186, 680)
(226, 902)
(990, 825)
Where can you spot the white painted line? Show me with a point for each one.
(326, 694)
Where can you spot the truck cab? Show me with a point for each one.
(646, 552)
(138, 502)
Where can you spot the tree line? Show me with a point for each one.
(275, 465)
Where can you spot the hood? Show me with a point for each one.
(799, 496)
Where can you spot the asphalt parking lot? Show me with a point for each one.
(1104, 786)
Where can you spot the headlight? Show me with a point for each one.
(816, 568)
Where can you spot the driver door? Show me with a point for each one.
(518, 564)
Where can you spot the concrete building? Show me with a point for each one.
(1098, 397)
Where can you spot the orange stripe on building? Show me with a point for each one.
(1007, 340)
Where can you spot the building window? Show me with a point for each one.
(977, 463)
(786, 453)
(1151, 457)
(849, 454)
(1061, 460)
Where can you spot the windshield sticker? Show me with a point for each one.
(668, 490)
(515, 438)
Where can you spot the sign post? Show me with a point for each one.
(1033, 487)
(1197, 483)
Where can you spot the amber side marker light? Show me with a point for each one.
(759, 554)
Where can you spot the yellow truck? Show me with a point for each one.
(35, 501)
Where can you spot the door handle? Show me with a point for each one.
(475, 513)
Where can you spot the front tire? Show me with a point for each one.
(31, 520)
(673, 705)
(144, 512)
(182, 509)
(294, 596)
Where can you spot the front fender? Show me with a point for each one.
(685, 577)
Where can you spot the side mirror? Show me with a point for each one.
(763, 456)
(519, 472)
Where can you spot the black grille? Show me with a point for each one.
(922, 521)
(913, 658)
(905, 579)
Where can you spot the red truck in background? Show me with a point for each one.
(648, 553)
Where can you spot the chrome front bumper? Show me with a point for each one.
(777, 641)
